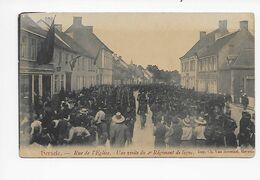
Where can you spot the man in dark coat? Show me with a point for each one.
(142, 109)
(174, 134)
(159, 133)
(229, 127)
(246, 131)
(130, 121)
(245, 101)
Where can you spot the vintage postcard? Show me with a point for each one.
(136, 85)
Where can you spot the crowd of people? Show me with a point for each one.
(106, 115)
(187, 118)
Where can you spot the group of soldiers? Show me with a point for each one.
(184, 117)
(107, 114)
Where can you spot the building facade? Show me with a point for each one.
(67, 76)
(103, 56)
(193, 69)
(34, 79)
(225, 65)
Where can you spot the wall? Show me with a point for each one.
(238, 83)
(189, 72)
(104, 67)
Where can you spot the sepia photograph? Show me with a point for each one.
(105, 85)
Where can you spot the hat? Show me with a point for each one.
(201, 121)
(83, 111)
(118, 118)
(186, 122)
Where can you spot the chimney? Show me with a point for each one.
(77, 20)
(90, 28)
(222, 25)
(58, 26)
(48, 20)
(202, 34)
(244, 25)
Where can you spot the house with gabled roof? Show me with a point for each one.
(234, 71)
(74, 66)
(121, 71)
(85, 36)
(226, 65)
(35, 80)
(189, 61)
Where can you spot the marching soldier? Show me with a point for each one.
(130, 121)
(142, 108)
(246, 131)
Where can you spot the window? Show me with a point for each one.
(23, 46)
(208, 64)
(62, 81)
(192, 65)
(78, 62)
(211, 64)
(88, 64)
(103, 59)
(214, 63)
(200, 65)
(60, 57)
(66, 58)
(56, 83)
(32, 48)
(83, 63)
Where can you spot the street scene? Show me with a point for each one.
(148, 81)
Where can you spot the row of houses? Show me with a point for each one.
(124, 73)
(221, 62)
(80, 59)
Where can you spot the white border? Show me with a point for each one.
(14, 167)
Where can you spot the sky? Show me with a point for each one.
(151, 38)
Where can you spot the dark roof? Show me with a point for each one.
(215, 47)
(28, 24)
(203, 42)
(88, 40)
(72, 43)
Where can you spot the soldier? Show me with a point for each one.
(245, 101)
(219, 133)
(174, 133)
(246, 131)
(130, 121)
(159, 133)
(230, 126)
(155, 108)
(142, 108)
